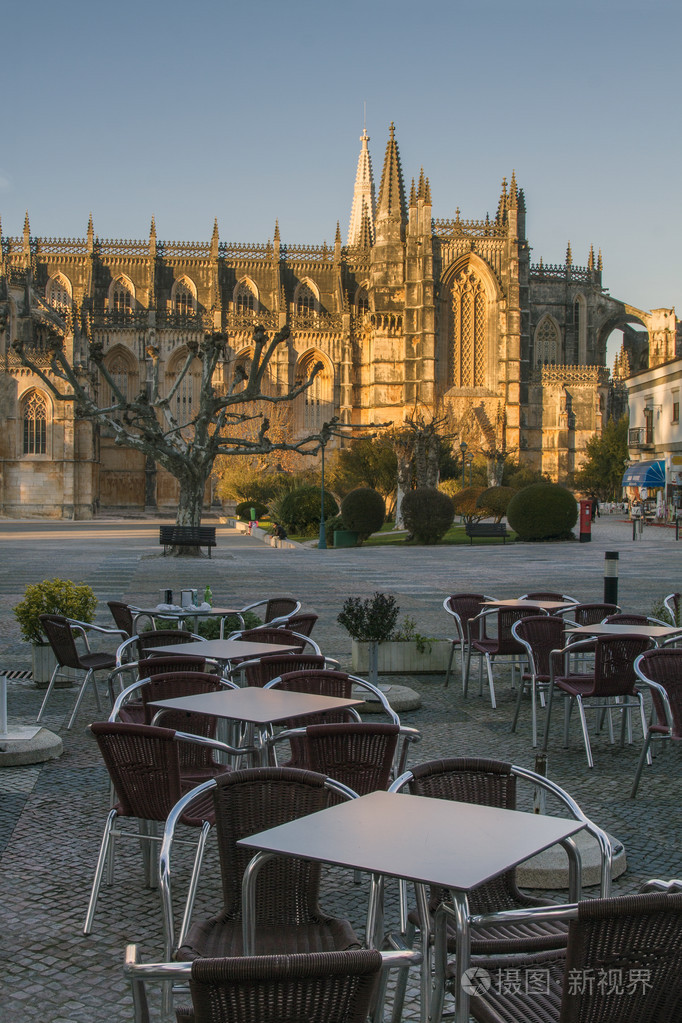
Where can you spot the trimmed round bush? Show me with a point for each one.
(543, 511)
(427, 513)
(465, 504)
(494, 502)
(299, 510)
(364, 511)
(243, 510)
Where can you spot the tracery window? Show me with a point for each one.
(34, 416)
(185, 400)
(58, 292)
(121, 297)
(316, 404)
(362, 303)
(183, 298)
(547, 342)
(244, 299)
(470, 329)
(305, 301)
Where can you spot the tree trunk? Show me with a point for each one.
(190, 505)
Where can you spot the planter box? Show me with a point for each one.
(403, 658)
(345, 538)
(44, 662)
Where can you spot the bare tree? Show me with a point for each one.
(147, 423)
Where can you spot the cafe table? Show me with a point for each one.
(415, 838)
(224, 650)
(656, 632)
(552, 606)
(182, 614)
(257, 708)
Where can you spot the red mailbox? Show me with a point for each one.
(585, 521)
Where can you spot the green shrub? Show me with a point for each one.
(243, 510)
(370, 620)
(299, 510)
(54, 596)
(465, 504)
(364, 511)
(332, 524)
(494, 502)
(543, 511)
(428, 514)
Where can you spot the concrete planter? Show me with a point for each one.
(402, 658)
(345, 538)
(44, 662)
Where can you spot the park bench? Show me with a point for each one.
(187, 536)
(486, 529)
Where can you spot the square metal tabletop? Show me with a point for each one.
(255, 705)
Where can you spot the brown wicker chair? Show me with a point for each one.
(135, 648)
(672, 606)
(490, 647)
(625, 618)
(461, 607)
(61, 633)
(549, 595)
(622, 964)
(131, 709)
(540, 635)
(490, 783)
(123, 616)
(274, 609)
(301, 623)
(590, 614)
(261, 670)
(278, 634)
(289, 918)
(144, 765)
(661, 672)
(613, 675)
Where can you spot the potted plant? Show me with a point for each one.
(379, 645)
(51, 596)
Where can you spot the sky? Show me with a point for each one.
(252, 112)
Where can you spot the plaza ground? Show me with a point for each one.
(51, 815)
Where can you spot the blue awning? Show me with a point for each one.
(645, 474)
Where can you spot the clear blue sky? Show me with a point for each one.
(250, 112)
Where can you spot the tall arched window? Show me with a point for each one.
(362, 302)
(245, 300)
(58, 292)
(305, 301)
(547, 342)
(34, 417)
(316, 404)
(121, 296)
(470, 329)
(185, 400)
(184, 297)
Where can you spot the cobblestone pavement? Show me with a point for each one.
(51, 815)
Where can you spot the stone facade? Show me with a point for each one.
(448, 315)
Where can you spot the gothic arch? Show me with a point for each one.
(123, 368)
(306, 298)
(316, 405)
(185, 400)
(184, 296)
(58, 291)
(469, 297)
(121, 298)
(245, 296)
(36, 414)
(547, 342)
(361, 300)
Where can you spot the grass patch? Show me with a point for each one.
(455, 536)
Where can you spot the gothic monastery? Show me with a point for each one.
(444, 315)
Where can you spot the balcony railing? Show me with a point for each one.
(640, 437)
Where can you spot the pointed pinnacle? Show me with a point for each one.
(152, 228)
(569, 256)
(590, 259)
(276, 236)
(600, 265)
(420, 193)
(337, 239)
(413, 194)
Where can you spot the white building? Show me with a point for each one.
(655, 435)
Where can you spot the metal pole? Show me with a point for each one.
(611, 577)
(322, 544)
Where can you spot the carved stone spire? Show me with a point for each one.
(365, 238)
(391, 192)
(600, 265)
(421, 192)
(427, 193)
(27, 233)
(152, 238)
(569, 255)
(512, 191)
(413, 194)
(590, 259)
(91, 234)
(363, 194)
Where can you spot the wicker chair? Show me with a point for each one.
(540, 635)
(491, 783)
(672, 606)
(503, 644)
(275, 608)
(61, 634)
(318, 987)
(612, 676)
(301, 623)
(144, 765)
(288, 915)
(131, 709)
(274, 634)
(590, 614)
(360, 754)
(549, 595)
(123, 616)
(634, 942)
(625, 618)
(261, 670)
(461, 607)
(135, 648)
(661, 672)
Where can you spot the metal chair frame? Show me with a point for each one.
(270, 604)
(460, 626)
(549, 595)
(172, 636)
(70, 657)
(507, 645)
(537, 678)
(665, 722)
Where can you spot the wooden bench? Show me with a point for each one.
(486, 529)
(187, 536)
